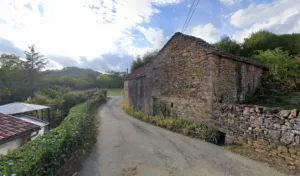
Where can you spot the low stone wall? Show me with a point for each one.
(268, 131)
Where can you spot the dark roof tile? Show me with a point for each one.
(137, 73)
(11, 126)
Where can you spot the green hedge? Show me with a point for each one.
(178, 125)
(45, 155)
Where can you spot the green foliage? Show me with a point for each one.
(18, 78)
(238, 80)
(228, 45)
(265, 40)
(111, 79)
(34, 60)
(33, 64)
(71, 71)
(280, 64)
(12, 85)
(164, 108)
(141, 61)
(262, 40)
(179, 125)
(61, 99)
(54, 91)
(290, 43)
(45, 155)
(78, 83)
(104, 80)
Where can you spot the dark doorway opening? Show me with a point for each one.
(221, 138)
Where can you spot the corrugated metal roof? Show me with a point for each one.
(38, 122)
(19, 107)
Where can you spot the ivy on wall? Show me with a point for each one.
(238, 80)
(164, 108)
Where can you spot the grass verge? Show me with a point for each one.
(110, 92)
(178, 125)
(114, 92)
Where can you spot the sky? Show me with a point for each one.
(108, 34)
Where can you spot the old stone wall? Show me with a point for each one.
(268, 131)
(233, 81)
(136, 93)
(138, 90)
(190, 76)
(182, 78)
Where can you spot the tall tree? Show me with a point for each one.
(261, 40)
(228, 45)
(11, 79)
(33, 64)
(141, 61)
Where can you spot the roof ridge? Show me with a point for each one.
(213, 50)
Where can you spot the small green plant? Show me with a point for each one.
(164, 108)
(241, 151)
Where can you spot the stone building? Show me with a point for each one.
(190, 75)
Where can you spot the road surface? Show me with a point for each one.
(129, 147)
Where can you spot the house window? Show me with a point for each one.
(172, 105)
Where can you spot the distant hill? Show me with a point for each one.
(71, 71)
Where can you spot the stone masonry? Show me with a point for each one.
(201, 83)
(268, 131)
(190, 75)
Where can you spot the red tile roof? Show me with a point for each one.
(11, 126)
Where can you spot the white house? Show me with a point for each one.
(15, 132)
(43, 124)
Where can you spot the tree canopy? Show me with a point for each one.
(142, 60)
(228, 45)
(281, 65)
(261, 40)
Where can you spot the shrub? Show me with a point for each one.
(179, 125)
(45, 155)
(164, 108)
(281, 65)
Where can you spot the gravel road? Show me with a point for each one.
(129, 147)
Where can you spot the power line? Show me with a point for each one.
(191, 16)
(188, 15)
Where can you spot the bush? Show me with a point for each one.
(45, 155)
(70, 100)
(281, 65)
(179, 125)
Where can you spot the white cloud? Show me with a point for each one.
(230, 2)
(281, 16)
(154, 35)
(71, 28)
(207, 32)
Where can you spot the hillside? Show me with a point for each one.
(71, 71)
